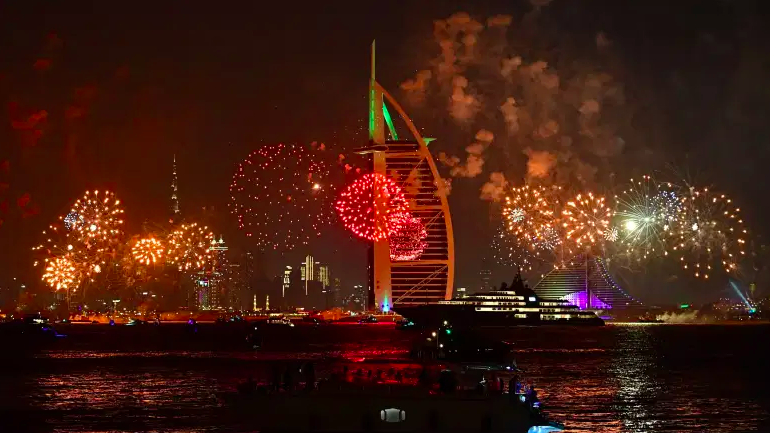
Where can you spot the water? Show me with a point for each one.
(619, 378)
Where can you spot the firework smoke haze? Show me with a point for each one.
(540, 163)
(474, 163)
(566, 119)
(495, 189)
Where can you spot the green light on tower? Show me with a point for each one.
(389, 121)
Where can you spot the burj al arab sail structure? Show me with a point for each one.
(428, 278)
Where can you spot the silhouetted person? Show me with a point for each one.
(399, 376)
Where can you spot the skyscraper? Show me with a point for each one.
(308, 271)
(175, 211)
(323, 275)
(286, 282)
(212, 283)
(236, 286)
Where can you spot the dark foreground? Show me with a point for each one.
(643, 378)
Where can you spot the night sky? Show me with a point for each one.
(124, 90)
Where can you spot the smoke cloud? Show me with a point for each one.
(462, 106)
(474, 163)
(567, 119)
(540, 163)
(495, 189)
(684, 317)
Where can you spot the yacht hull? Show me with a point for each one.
(467, 316)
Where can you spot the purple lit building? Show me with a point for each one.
(585, 282)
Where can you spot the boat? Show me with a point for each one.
(353, 403)
(30, 330)
(279, 321)
(515, 306)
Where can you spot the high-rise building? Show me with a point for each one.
(249, 275)
(308, 269)
(286, 283)
(211, 284)
(323, 275)
(175, 211)
(236, 286)
(335, 293)
(429, 277)
(312, 270)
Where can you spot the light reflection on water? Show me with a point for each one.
(611, 379)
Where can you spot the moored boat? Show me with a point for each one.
(516, 306)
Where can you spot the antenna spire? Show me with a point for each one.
(174, 198)
(372, 99)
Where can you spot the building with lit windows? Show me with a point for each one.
(286, 282)
(211, 284)
(586, 283)
(428, 278)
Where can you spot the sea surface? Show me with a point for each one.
(617, 378)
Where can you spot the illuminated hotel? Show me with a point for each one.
(586, 283)
(430, 277)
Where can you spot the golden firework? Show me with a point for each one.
(189, 247)
(61, 274)
(586, 220)
(148, 250)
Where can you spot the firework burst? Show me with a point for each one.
(61, 274)
(585, 220)
(507, 251)
(189, 247)
(89, 241)
(529, 215)
(372, 207)
(280, 195)
(72, 220)
(409, 242)
(708, 233)
(645, 215)
(148, 251)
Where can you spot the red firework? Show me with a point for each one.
(367, 206)
(279, 195)
(408, 242)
